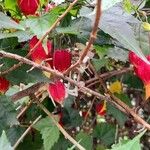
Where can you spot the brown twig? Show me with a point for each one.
(110, 74)
(63, 131)
(15, 66)
(91, 39)
(32, 89)
(26, 132)
(81, 87)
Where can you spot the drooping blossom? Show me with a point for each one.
(28, 7)
(142, 70)
(57, 91)
(61, 60)
(39, 54)
(4, 85)
(101, 108)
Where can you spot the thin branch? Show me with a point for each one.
(26, 132)
(37, 44)
(91, 39)
(32, 89)
(82, 88)
(110, 74)
(63, 131)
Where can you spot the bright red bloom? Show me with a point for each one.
(57, 91)
(61, 60)
(39, 54)
(101, 109)
(142, 70)
(4, 85)
(134, 59)
(28, 7)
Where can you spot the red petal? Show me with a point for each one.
(141, 68)
(4, 85)
(134, 59)
(57, 91)
(61, 60)
(101, 109)
(38, 55)
(28, 7)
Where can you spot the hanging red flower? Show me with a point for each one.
(4, 85)
(57, 91)
(142, 70)
(61, 60)
(28, 7)
(101, 109)
(39, 54)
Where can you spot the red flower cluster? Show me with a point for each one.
(61, 61)
(4, 85)
(28, 7)
(142, 70)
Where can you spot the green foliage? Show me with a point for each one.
(4, 143)
(113, 27)
(133, 144)
(7, 113)
(71, 116)
(50, 133)
(7, 23)
(14, 133)
(11, 6)
(119, 32)
(105, 133)
(85, 140)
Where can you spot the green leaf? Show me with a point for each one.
(8, 23)
(32, 141)
(85, 140)
(4, 143)
(117, 114)
(7, 113)
(118, 54)
(117, 24)
(133, 144)
(40, 25)
(21, 35)
(71, 116)
(49, 131)
(99, 63)
(127, 5)
(14, 133)
(62, 144)
(11, 5)
(108, 4)
(105, 132)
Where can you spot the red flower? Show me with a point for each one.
(134, 59)
(39, 54)
(28, 7)
(4, 85)
(57, 91)
(61, 60)
(101, 109)
(142, 70)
